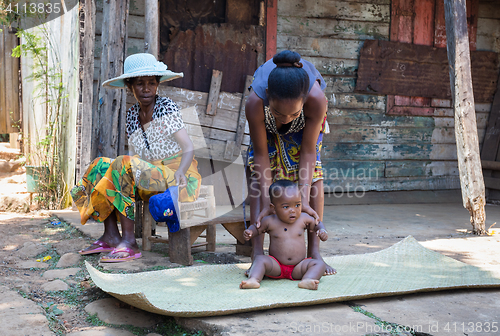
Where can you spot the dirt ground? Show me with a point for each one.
(32, 246)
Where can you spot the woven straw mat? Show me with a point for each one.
(406, 267)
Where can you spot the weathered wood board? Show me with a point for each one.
(320, 46)
(405, 69)
(332, 28)
(386, 151)
(9, 83)
(361, 186)
(372, 11)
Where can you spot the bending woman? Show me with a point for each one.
(286, 113)
(162, 157)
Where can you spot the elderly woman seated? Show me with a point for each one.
(161, 156)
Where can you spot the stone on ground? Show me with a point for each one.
(20, 316)
(30, 250)
(31, 264)
(61, 273)
(56, 285)
(101, 331)
(109, 310)
(71, 245)
(68, 259)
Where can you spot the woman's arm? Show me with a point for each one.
(187, 147)
(254, 110)
(315, 108)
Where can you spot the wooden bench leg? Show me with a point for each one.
(138, 218)
(244, 249)
(147, 227)
(211, 234)
(179, 245)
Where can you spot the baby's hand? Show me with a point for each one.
(322, 234)
(247, 234)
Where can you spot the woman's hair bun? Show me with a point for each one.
(288, 80)
(287, 57)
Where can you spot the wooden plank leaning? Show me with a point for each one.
(469, 162)
(213, 95)
(233, 148)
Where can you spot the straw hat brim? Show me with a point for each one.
(119, 82)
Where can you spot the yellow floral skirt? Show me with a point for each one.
(112, 185)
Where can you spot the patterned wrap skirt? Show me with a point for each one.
(284, 155)
(112, 185)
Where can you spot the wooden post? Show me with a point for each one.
(87, 66)
(272, 28)
(111, 107)
(240, 129)
(10, 112)
(152, 32)
(179, 247)
(469, 162)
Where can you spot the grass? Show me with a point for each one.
(387, 327)
(165, 327)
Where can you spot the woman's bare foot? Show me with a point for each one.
(309, 284)
(103, 244)
(249, 284)
(330, 270)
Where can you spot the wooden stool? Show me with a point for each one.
(145, 226)
(181, 241)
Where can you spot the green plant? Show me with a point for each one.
(45, 142)
(51, 312)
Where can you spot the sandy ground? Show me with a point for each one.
(13, 193)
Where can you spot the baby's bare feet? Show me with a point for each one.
(330, 270)
(309, 284)
(249, 284)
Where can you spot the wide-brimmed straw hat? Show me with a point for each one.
(139, 65)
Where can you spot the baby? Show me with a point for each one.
(287, 247)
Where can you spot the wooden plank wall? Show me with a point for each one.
(213, 172)
(135, 44)
(368, 150)
(135, 41)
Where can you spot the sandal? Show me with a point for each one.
(102, 246)
(131, 255)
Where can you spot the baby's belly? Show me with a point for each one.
(288, 255)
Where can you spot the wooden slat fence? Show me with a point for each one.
(9, 82)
